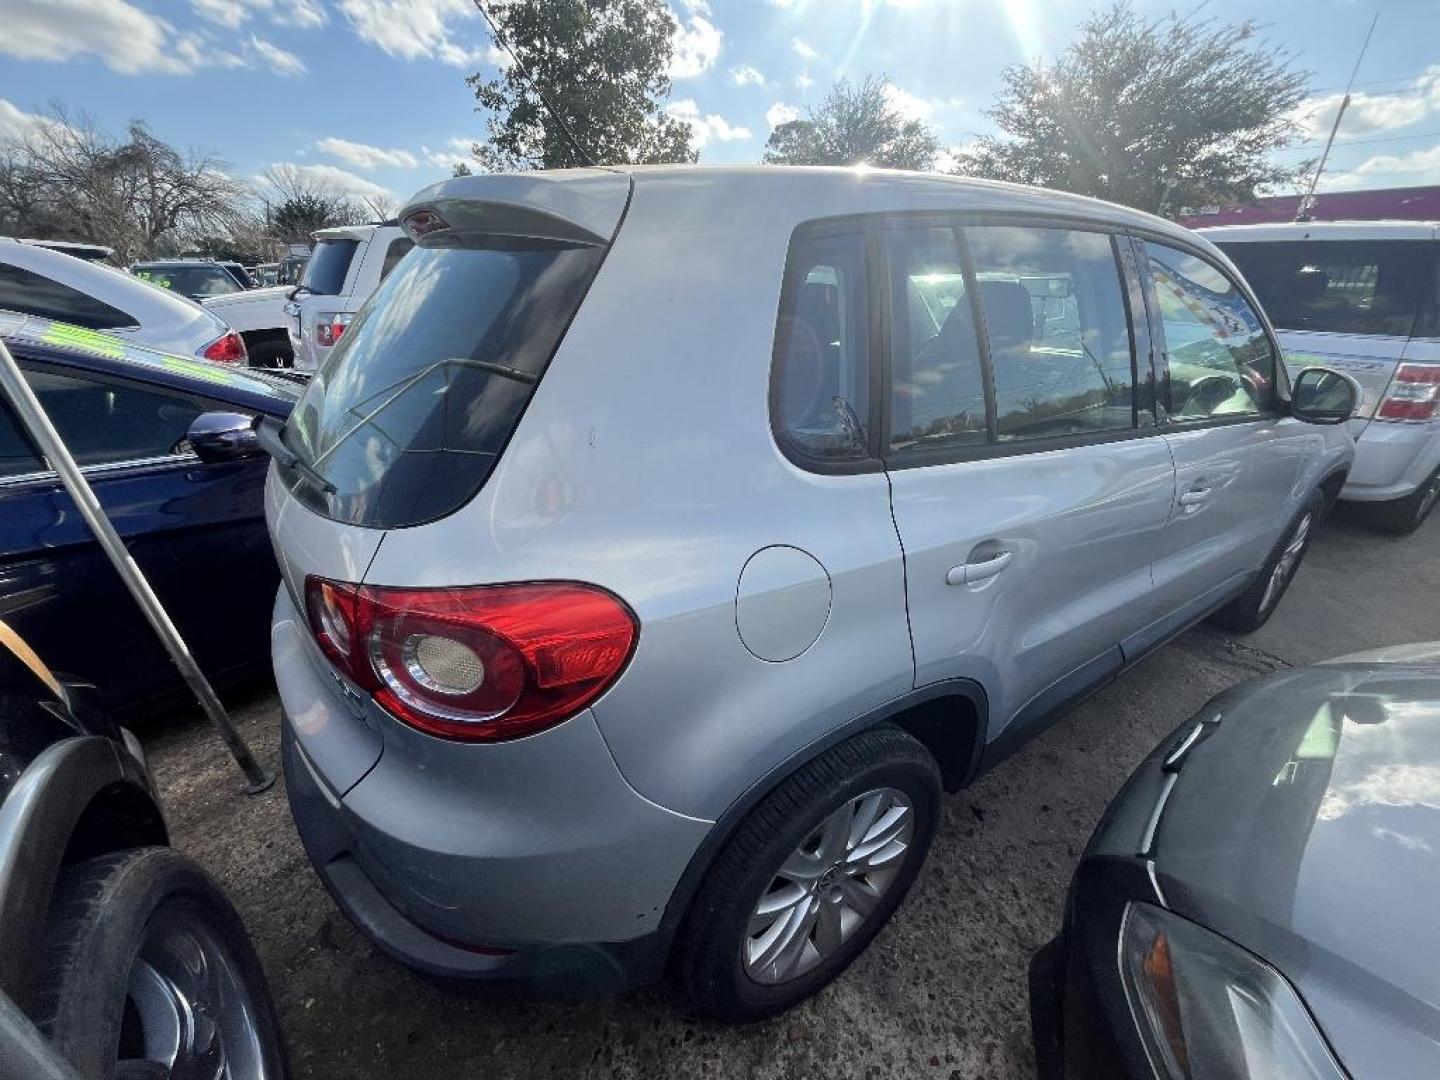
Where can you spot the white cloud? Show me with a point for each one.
(1371, 113)
(907, 104)
(456, 151)
(15, 123)
(304, 14)
(275, 58)
(126, 39)
(745, 75)
(696, 44)
(780, 113)
(707, 127)
(804, 50)
(337, 178)
(419, 29)
(1418, 167)
(804, 82)
(364, 156)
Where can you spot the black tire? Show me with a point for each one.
(105, 910)
(1253, 608)
(708, 964)
(271, 354)
(1404, 516)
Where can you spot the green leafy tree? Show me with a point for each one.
(1158, 115)
(854, 125)
(602, 65)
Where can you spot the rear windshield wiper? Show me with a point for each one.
(269, 434)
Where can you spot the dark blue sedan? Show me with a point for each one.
(162, 440)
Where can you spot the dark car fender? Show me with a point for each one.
(44, 815)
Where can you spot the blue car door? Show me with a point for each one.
(196, 530)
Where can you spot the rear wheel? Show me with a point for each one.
(809, 877)
(1254, 607)
(149, 974)
(1404, 516)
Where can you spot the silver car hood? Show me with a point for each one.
(1306, 827)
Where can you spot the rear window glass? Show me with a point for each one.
(328, 264)
(34, 294)
(1337, 286)
(410, 411)
(193, 281)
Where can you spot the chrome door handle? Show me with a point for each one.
(1194, 497)
(969, 573)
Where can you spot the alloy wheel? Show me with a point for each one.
(829, 886)
(1286, 564)
(189, 1015)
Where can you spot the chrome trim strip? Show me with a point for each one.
(1175, 757)
(1147, 841)
(1155, 883)
(102, 470)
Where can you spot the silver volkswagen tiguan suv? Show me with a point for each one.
(659, 543)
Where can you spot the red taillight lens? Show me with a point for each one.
(479, 664)
(1414, 393)
(329, 325)
(227, 349)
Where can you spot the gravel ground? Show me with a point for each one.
(941, 992)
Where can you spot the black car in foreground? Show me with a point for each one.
(1260, 900)
(165, 442)
(125, 954)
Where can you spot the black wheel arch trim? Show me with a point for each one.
(37, 820)
(725, 826)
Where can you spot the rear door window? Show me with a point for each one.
(411, 409)
(1221, 362)
(35, 294)
(821, 402)
(328, 265)
(1338, 286)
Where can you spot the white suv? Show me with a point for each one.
(346, 266)
(1363, 297)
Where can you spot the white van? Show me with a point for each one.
(1363, 297)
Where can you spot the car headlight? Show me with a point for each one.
(1207, 1008)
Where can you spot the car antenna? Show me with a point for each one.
(504, 43)
(1305, 211)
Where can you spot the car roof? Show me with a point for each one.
(354, 232)
(75, 346)
(1322, 230)
(180, 262)
(545, 190)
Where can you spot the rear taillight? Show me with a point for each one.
(1413, 394)
(479, 664)
(329, 325)
(228, 348)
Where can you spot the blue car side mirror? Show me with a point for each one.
(223, 436)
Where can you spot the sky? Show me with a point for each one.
(370, 95)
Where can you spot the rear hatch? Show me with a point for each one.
(323, 285)
(412, 408)
(1351, 304)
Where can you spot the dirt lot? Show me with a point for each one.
(941, 993)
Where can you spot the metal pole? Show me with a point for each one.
(24, 1053)
(37, 423)
(1302, 213)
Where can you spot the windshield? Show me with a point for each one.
(193, 281)
(414, 405)
(328, 264)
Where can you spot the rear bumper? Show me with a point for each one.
(1392, 460)
(530, 862)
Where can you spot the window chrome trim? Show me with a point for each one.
(101, 470)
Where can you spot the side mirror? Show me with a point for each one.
(223, 436)
(1323, 396)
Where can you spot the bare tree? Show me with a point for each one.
(136, 194)
(300, 203)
